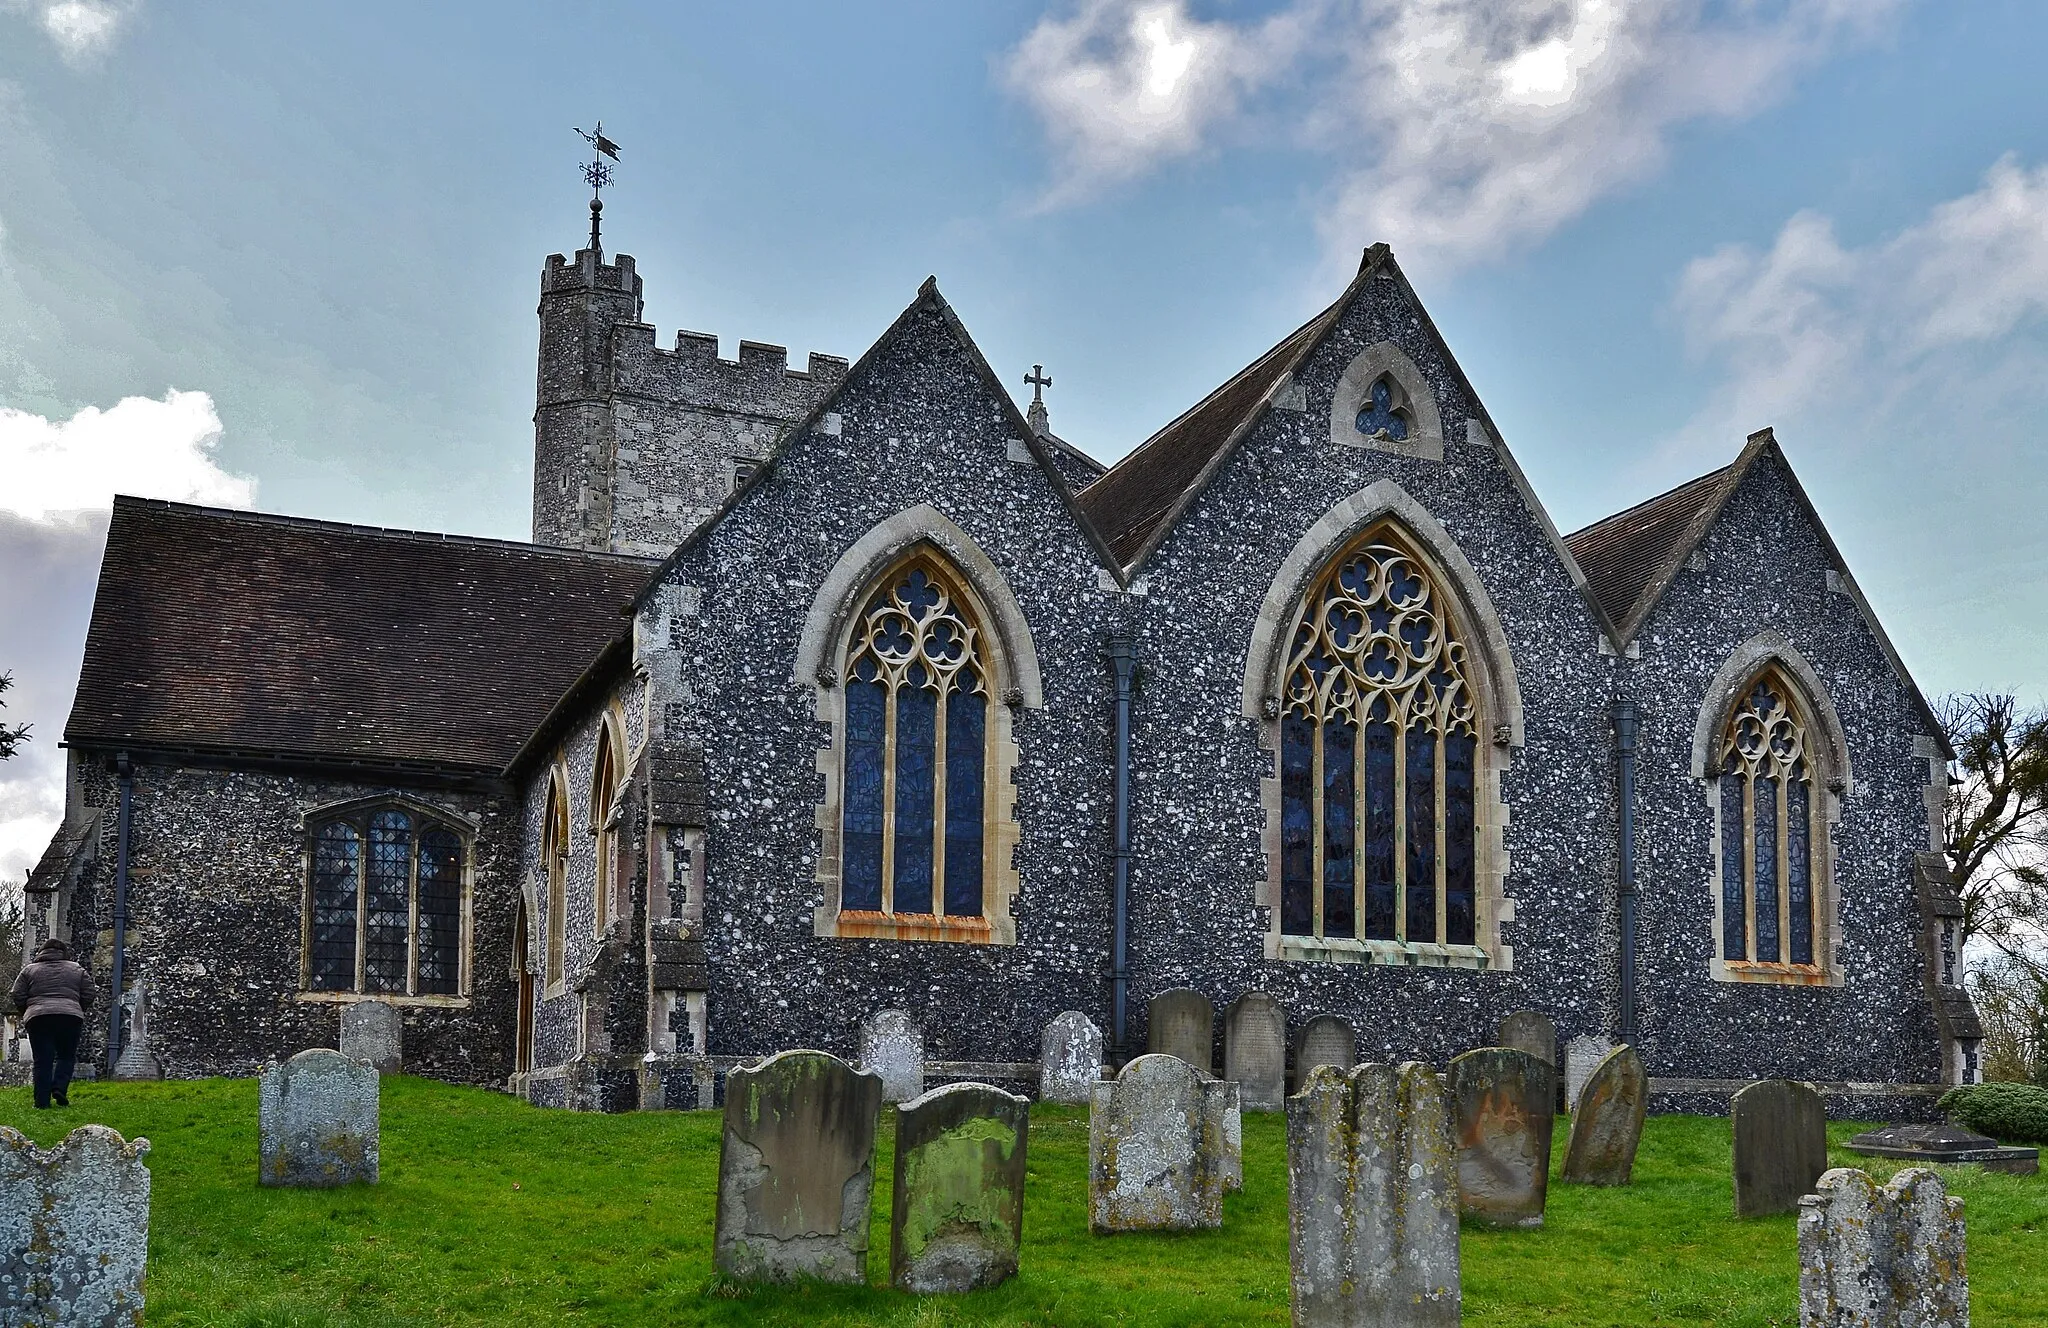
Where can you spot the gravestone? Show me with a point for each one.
(316, 1118)
(956, 1218)
(138, 1057)
(1255, 1051)
(1156, 1148)
(1608, 1125)
(1501, 1122)
(74, 1229)
(1531, 1031)
(1326, 1039)
(796, 1169)
(1372, 1215)
(1222, 1099)
(1182, 1023)
(374, 1031)
(1882, 1257)
(1069, 1058)
(892, 1047)
(1582, 1055)
(1781, 1146)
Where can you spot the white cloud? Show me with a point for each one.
(1455, 127)
(152, 449)
(82, 29)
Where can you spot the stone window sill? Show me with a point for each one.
(1781, 975)
(389, 998)
(1413, 954)
(868, 925)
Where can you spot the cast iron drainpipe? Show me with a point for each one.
(1625, 751)
(127, 773)
(1123, 659)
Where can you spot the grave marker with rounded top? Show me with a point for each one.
(956, 1219)
(1607, 1128)
(1069, 1058)
(1532, 1031)
(1501, 1122)
(74, 1229)
(796, 1169)
(892, 1046)
(1182, 1022)
(1327, 1039)
(374, 1031)
(1882, 1257)
(1156, 1148)
(317, 1120)
(1255, 1051)
(1372, 1218)
(1781, 1146)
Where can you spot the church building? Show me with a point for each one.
(852, 687)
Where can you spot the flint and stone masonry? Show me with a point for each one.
(74, 1226)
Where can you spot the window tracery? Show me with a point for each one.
(1379, 757)
(1771, 856)
(554, 853)
(385, 905)
(1385, 414)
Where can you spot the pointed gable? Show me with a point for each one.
(1628, 558)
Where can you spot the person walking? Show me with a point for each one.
(53, 995)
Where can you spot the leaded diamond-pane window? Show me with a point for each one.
(1378, 757)
(386, 905)
(914, 793)
(1769, 859)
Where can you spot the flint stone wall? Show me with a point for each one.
(74, 1230)
(1882, 1257)
(796, 1169)
(1157, 1152)
(374, 1031)
(956, 1216)
(1069, 1058)
(317, 1121)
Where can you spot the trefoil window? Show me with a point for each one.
(1384, 414)
(386, 905)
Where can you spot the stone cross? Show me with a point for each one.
(316, 1118)
(1372, 1215)
(74, 1229)
(892, 1046)
(1326, 1039)
(138, 1057)
(1607, 1128)
(1036, 416)
(1157, 1149)
(1889, 1257)
(1501, 1120)
(1781, 1146)
(1069, 1058)
(374, 1031)
(1182, 1023)
(1255, 1051)
(1581, 1055)
(956, 1215)
(796, 1169)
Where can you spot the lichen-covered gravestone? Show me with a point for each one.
(1607, 1127)
(1582, 1055)
(956, 1219)
(74, 1230)
(1372, 1215)
(1182, 1023)
(1501, 1121)
(1889, 1257)
(1223, 1101)
(1327, 1039)
(796, 1169)
(1781, 1146)
(1255, 1051)
(1532, 1031)
(1156, 1148)
(374, 1031)
(892, 1046)
(316, 1116)
(1069, 1058)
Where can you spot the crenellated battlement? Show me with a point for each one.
(759, 382)
(587, 271)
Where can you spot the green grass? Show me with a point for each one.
(493, 1212)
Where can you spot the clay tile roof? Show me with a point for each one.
(1128, 504)
(232, 632)
(1628, 556)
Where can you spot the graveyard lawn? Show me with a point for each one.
(492, 1212)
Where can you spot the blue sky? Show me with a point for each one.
(287, 255)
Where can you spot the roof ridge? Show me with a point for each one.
(1719, 472)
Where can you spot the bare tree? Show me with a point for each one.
(1996, 818)
(10, 738)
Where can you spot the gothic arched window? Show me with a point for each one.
(386, 904)
(554, 856)
(1773, 827)
(915, 786)
(604, 792)
(1379, 757)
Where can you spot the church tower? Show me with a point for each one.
(574, 454)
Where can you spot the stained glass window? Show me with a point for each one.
(604, 787)
(914, 793)
(1383, 414)
(386, 905)
(1768, 866)
(1378, 757)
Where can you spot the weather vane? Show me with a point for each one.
(597, 174)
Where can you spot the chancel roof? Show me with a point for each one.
(1629, 558)
(259, 637)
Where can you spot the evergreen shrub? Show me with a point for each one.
(2010, 1113)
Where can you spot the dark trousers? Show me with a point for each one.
(54, 1040)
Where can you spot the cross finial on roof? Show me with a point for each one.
(1039, 380)
(597, 174)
